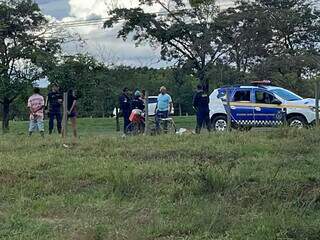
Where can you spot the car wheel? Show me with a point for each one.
(297, 122)
(220, 123)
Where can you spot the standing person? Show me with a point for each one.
(36, 107)
(54, 102)
(164, 106)
(125, 106)
(73, 113)
(201, 105)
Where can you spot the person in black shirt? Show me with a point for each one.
(54, 102)
(126, 108)
(73, 112)
(201, 105)
(137, 102)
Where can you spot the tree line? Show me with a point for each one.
(277, 40)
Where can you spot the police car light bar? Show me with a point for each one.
(262, 82)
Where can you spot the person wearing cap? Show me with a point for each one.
(137, 102)
(125, 106)
(201, 105)
(164, 106)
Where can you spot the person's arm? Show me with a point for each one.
(74, 103)
(60, 99)
(170, 105)
(121, 103)
(47, 102)
(194, 102)
(41, 107)
(38, 109)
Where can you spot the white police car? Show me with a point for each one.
(260, 106)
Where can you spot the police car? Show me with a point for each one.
(260, 105)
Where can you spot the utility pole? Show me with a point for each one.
(317, 101)
(146, 131)
(228, 111)
(65, 117)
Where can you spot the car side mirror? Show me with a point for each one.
(276, 101)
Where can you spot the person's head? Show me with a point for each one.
(125, 90)
(137, 94)
(72, 92)
(36, 90)
(199, 87)
(55, 87)
(163, 90)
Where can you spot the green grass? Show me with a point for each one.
(98, 126)
(256, 185)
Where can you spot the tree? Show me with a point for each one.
(24, 50)
(187, 33)
(292, 42)
(247, 33)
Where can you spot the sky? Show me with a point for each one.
(102, 43)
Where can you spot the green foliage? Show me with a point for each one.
(24, 50)
(195, 43)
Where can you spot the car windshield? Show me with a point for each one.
(286, 94)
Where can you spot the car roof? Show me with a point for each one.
(244, 87)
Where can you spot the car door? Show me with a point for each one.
(266, 112)
(242, 107)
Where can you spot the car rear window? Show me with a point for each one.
(153, 100)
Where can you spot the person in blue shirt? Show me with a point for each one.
(164, 106)
(201, 105)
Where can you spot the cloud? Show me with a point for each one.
(56, 8)
(102, 43)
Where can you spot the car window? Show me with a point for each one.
(264, 97)
(153, 100)
(242, 96)
(286, 94)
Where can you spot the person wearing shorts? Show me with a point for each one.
(36, 106)
(73, 112)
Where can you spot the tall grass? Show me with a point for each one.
(255, 185)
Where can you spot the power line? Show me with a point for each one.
(95, 22)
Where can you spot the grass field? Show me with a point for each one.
(256, 185)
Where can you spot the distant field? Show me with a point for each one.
(235, 186)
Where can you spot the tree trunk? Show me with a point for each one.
(117, 120)
(180, 110)
(5, 114)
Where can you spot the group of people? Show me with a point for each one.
(164, 106)
(53, 104)
(128, 104)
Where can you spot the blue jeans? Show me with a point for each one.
(203, 118)
(161, 115)
(55, 114)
